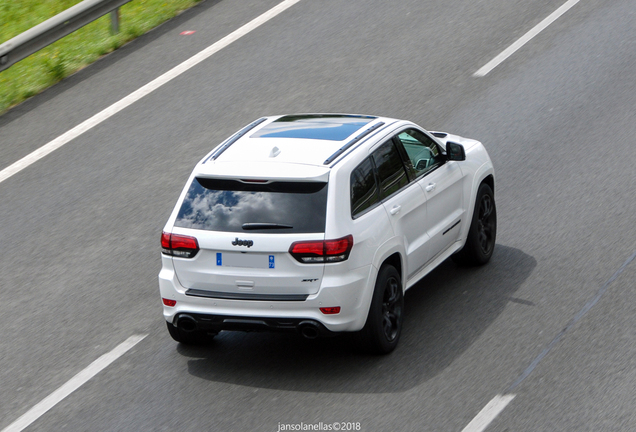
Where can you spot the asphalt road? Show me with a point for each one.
(80, 228)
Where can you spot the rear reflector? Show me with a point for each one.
(330, 310)
(179, 245)
(322, 251)
(169, 302)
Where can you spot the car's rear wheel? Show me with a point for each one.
(196, 337)
(382, 330)
(482, 234)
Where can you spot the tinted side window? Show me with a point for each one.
(391, 172)
(275, 208)
(364, 189)
(421, 150)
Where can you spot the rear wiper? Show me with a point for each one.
(264, 225)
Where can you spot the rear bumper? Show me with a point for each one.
(352, 292)
(215, 323)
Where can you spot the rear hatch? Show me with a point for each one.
(244, 229)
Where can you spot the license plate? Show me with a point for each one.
(245, 260)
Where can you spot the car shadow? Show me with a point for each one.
(445, 313)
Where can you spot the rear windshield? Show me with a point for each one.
(234, 206)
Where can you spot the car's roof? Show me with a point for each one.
(307, 139)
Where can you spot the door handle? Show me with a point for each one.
(430, 187)
(395, 209)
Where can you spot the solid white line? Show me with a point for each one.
(143, 91)
(73, 384)
(524, 39)
(488, 413)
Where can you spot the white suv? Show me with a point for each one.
(318, 223)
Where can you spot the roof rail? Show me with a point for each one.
(359, 143)
(235, 138)
(352, 142)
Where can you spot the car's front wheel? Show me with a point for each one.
(480, 242)
(382, 330)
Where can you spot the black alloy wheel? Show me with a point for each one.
(482, 234)
(381, 332)
(392, 309)
(487, 224)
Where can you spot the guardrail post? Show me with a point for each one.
(114, 21)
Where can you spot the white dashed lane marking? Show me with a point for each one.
(143, 91)
(525, 39)
(73, 384)
(488, 413)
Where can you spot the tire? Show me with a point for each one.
(381, 332)
(480, 242)
(189, 338)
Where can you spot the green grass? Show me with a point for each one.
(73, 52)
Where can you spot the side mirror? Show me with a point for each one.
(455, 151)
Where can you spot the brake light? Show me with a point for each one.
(179, 245)
(330, 310)
(322, 251)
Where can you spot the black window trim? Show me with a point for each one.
(410, 169)
(406, 164)
(403, 188)
(378, 201)
(377, 174)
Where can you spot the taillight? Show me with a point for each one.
(330, 310)
(179, 245)
(322, 251)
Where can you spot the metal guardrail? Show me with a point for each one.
(62, 24)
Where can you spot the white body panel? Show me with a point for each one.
(445, 206)
(264, 268)
(408, 215)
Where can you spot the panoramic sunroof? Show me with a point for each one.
(330, 127)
